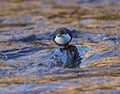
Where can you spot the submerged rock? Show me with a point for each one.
(66, 57)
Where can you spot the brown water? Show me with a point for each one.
(26, 28)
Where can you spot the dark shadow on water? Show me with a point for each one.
(15, 25)
(115, 39)
(15, 53)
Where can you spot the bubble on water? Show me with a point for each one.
(86, 21)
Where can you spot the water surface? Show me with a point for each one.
(26, 29)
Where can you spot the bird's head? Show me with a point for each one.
(62, 36)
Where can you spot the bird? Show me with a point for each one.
(62, 36)
(66, 54)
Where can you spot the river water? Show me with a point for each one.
(26, 28)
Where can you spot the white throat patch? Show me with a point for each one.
(63, 39)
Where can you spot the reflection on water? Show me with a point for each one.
(26, 29)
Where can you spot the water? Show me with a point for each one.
(26, 29)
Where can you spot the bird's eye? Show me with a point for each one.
(58, 35)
